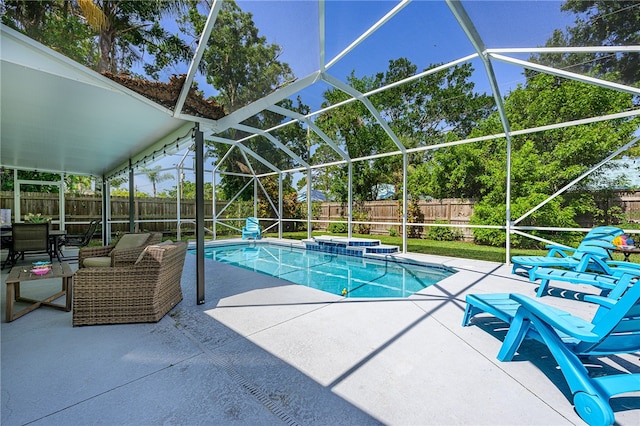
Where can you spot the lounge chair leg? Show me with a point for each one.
(542, 290)
(469, 312)
(512, 341)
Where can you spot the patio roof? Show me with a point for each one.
(60, 116)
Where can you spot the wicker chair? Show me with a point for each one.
(114, 256)
(142, 292)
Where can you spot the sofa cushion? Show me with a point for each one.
(97, 262)
(128, 241)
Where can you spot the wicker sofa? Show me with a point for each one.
(142, 292)
(118, 254)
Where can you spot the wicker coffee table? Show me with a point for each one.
(21, 274)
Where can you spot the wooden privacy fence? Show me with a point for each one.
(451, 210)
(159, 214)
(154, 214)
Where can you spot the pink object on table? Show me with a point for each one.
(40, 271)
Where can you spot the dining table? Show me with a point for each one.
(627, 251)
(55, 236)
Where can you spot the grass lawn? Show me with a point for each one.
(466, 250)
(462, 249)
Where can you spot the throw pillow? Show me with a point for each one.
(128, 241)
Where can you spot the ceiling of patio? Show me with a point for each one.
(60, 116)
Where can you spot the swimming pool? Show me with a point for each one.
(348, 276)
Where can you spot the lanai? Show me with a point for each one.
(59, 116)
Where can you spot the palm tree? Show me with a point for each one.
(123, 26)
(155, 176)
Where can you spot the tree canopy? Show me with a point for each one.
(243, 67)
(420, 113)
(542, 162)
(599, 23)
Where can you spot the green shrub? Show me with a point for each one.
(442, 233)
(360, 215)
(337, 227)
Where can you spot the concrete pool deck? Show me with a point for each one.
(262, 351)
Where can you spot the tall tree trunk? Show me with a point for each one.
(106, 62)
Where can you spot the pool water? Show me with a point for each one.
(348, 276)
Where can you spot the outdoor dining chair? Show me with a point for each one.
(28, 237)
(80, 240)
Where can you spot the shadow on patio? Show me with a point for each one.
(263, 351)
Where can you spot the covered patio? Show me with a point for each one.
(265, 351)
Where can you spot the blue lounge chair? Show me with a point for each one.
(607, 281)
(596, 244)
(614, 329)
(251, 229)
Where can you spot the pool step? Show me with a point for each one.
(382, 249)
(348, 246)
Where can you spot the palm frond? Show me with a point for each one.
(93, 14)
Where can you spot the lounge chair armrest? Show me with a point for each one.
(563, 251)
(87, 280)
(593, 262)
(624, 267)
(556, 318)
(600, 300)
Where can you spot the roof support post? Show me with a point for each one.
(465, 22)
(178, 200)
(255, 197)
(280, 205)
(106, 211)
(309, 205)
(405, 202)
(16, 197)
(132, 200)
(199, 172)
(214, 202)
(321, 33)
(350, 199)
(61, 203)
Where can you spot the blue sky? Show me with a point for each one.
(425, 32)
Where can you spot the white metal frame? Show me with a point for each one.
(487, 56)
